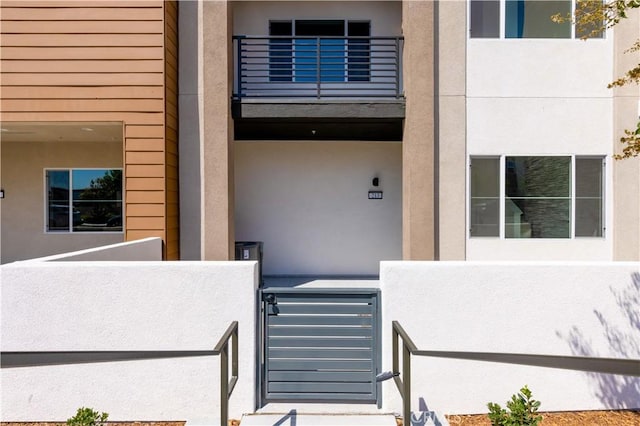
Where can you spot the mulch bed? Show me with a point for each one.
(573, 418)
(108, 423)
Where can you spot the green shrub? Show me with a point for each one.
(521, 411)
(87, 417)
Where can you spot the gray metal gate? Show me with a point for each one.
(320, 345)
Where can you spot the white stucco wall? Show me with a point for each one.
(308, 202)
(580, 308)
(541, 97)
(123, 306)
(252, 17)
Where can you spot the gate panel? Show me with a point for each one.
(320, 345)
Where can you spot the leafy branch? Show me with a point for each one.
(592, 18)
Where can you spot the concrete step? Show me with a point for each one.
(294, 419)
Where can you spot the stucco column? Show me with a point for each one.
(217, 138)
(451, 134)
(418, 236)
(626, 173)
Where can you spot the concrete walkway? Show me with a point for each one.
(294, 419)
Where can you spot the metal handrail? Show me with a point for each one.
(226, 385)
(627, 367)
(317, 67)
(16, 359)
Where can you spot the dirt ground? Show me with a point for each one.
(578, 418)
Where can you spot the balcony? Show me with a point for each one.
(308, 81)
(318, 67)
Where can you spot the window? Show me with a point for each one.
(84, 200)
(524, 19)
(319, 50)
(536, 197)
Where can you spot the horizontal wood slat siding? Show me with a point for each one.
(102, 61)
(84, 13)
(86, 40)
(80, 53)
(171, 125)
(80, 27)
(86, 66)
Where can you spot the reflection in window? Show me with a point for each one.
(84, 200)
(532, 19)
(485, 197)
(591, 29)
(329, 50)
(58, 200)
(540, 197)
(589, 190)
(485, 19)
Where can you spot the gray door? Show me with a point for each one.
(320, 345)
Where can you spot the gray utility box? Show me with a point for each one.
(251, 250)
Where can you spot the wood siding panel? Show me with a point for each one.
(86, 105)
(80, 53)
(73, 40)
(82, 13)
(145, 197)
(145, 170)
(133, 131)
(145, 222)
(82, 79)
(115, 66)
(144, 157)
(145, 184)
(144, 144)
(145, 209)
(75, 3)
(149, 119)
(81, 27)
(75, 61)
(135, 234)
(111, 92)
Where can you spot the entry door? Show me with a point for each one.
(320, 345)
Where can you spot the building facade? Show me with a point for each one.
(338, 133)
(89, 89)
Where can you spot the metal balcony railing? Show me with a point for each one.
(318, 67)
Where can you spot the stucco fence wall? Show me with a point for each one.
(585, 309)
(126, 306)
(536, 308)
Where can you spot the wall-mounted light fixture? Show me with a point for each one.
(377, 194)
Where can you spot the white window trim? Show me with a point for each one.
(45, 213)
(501, 214)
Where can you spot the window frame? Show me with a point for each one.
(503, 197)
(351, 72)
(502, 26)
(70, 171)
